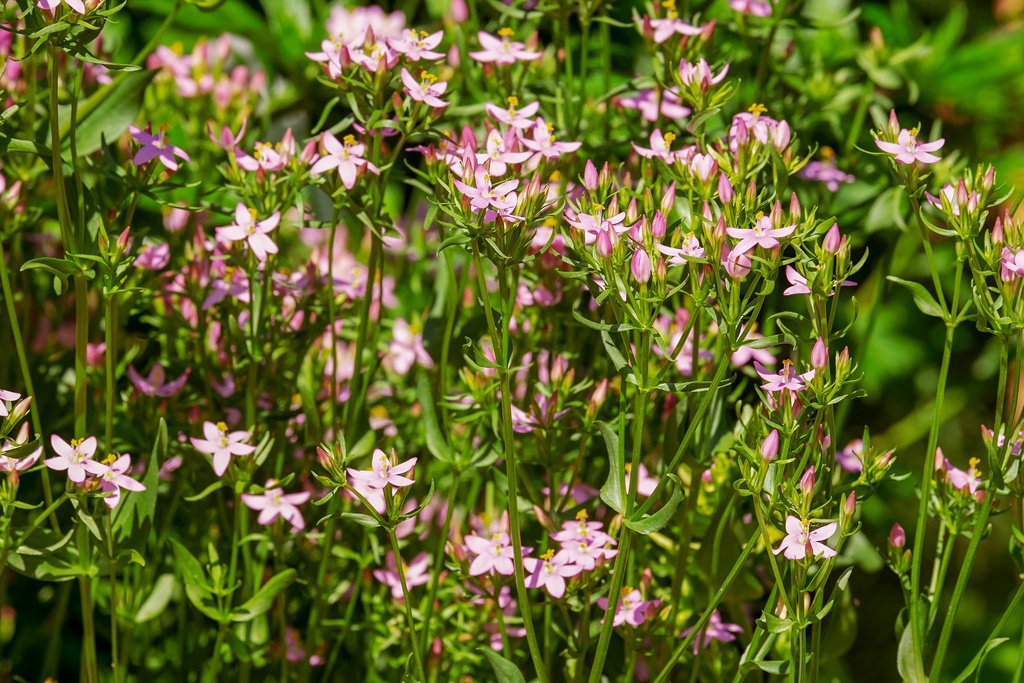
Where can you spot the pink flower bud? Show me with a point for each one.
(590, 176)
(807, 483)
(794, 206)
(997, 231)
(770, 445)
(658, 226)
(641, 266)
(781, 136)
(962, 196)
(459, 11)
(639, 229)
(737, 266)
(819, 355)
(605, 244)
(897, 537)
(632, 213)
(989, 181)
(751, 197)
(724, 189)
(833, 239)
(668, 198)
(850, 505)
(124, 240)
(894, 124)
(707, 212)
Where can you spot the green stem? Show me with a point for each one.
(763, 527)
(407, 602)
(438, 562)
(109, 355)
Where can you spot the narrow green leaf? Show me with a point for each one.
(504, 670)
(659, 519)
(163, 590)
(611, 492)
(922, 297)
(264, 597)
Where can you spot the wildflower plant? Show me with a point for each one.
(462, 341)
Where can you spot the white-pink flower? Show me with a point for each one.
(384, 472)
(761, 235)
(155, 147)
(254, 233)
(222, 444)
(550, 572)
(908, 150)
(71, 457)
(800, 541)
(51, 5)
(112, 475)
(274, 503)
(502, 50)
(427, 90)
(347, 158)
(406, 348)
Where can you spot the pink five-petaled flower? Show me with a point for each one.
(800, 540)
(700, 73)
(517, 118)
(71, 456)
(155, 147)
(761, 235)
(756, 8)
(274, 503)
(660, 147)
(416, 46)
(254, 232)
(416, 573)
(502, 49)
(112, 476)
(427, 90)
(500, 152)
(668, 27)
(156, 384)
(908, 150)
(797, 283)
(501, 196)
(8, 464)
(545, 144)
(494, 554)
(406, 348)
(384, 472)
(222, 444)
(716, 629)
(51, 5)
(550, 572)
(347, 158)
(631, 609)
(959, 479)
(786, 379)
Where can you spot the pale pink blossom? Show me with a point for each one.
(406, 348)
(502, 50)
(155, 147)
(800, 541)
(347, 158)
(71, 457)
(384, 472)
(517, 118)
(631, 608)
(550, 572)
(416, 573)
(254, 233)
(222, 444)
(761, 235)
(155, 383)
(907, 150)
(274, 503)
(112, 475)
(492, 554)
(417, 45)
(427, 90)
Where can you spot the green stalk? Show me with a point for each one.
(89, 671)
(437, 561)
(407, 601)
(109, 356)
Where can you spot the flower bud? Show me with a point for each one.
(989, 181)
(819, 355)
(781, 136)
(639, 230)
(770, 445)
(751, 198)
(833, 239)
(658, 226)
(850, 505)
(641, 266)
(590, 176)
(843, 363)
(632, 213)
(897, 537)
(997, 231)
(962, 196)
(668, 198)
(605, 244)
(807, 484)
(794, 206)
(894, 124)
(660, 270)
(724, 189)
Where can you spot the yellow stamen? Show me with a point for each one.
(757, 109)
(598, 207)
(554, 177)
(513, 102)
(349, 139)
(626, 590)
(110, 459)
(75, 443)
(548, 555)
(506, 32)
(222, 427)
(759, 215)
(582, 514)
(669, 138)
(913, 132)
(827, 152)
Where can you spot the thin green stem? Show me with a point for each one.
(407, 602)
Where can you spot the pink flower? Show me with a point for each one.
(502, 50)
(689, 249)
(587, 552)
(544, 143)
(646, 484)
(797, 283)
(646, 101)
(500, 152)
(631, 609)
(156, 384)
(715, 629)
(550, 572)
(800, 541)
(8, 464)
(155, 147)
(960, 480)
(850, 459)
(51, 5)
(384, 472)
(71, 457)
(274, 503)
(416, 574)
(493, 554)
(666, 28)
(255, 233)
(825, 172)
(222, 444)
(7, 396)
(756, 8)
(154, 258)
(950, 193)
(786, 379)
(700, 73)
(418, 45)
(347, 158)
(908, 150)
(761, 235)
(660, 147)
(501, 196)
(112, 476)
(428, 90)
(517, 118)
(406, 348)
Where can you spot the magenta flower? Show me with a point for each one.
(716, 629)
(800, 541)
(416, 574)
(825, 172)
(7, 396)
(907, 150)
(517, 118)
(502, 50)
(797, 283)
(786, 379)
(347, 158)
(631, 609)
(154, 257)
(950, 193)
(501, 196)
(689, 249)
(384, 472)
(500, 152)
(8, 464)
(544, 143)
(71, 457)
(255, 233)
(221, 445)
(406, 348)
(550, 572)
(851, 458)
(666, 28)
(155, 147)
(700, 73)
(274, 503)
(959, 479)
(493, 554)
(761, 235)
(427, 90)
(51, 5)
(156, 384)
(112, 475)
(418, 45)
(646, 101)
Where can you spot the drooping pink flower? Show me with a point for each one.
(156, 384)
(347, 158)
(221, 445)
(550, 572)
(254, 233)
(71, 456)
(427, 90)
(907, 150)
(155, 147)
(112, 475)
(416, 573)
(761, 235)
(716, 629)
(631, 608)
(384, 472)
(274, 503)
(800, 541)
(502, 50)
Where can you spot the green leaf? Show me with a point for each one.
(435, 440)
(197, 589)
(978, 660)
(777, 667)
(504, 670)
(263, 600)
(774, 624)
(135, 514)
(163, 590)
(611, 492)
(908, 664)
(924, 300)
(652, 523)
(361, 519)
(109, 112)
(207, 491)
(618, 360)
